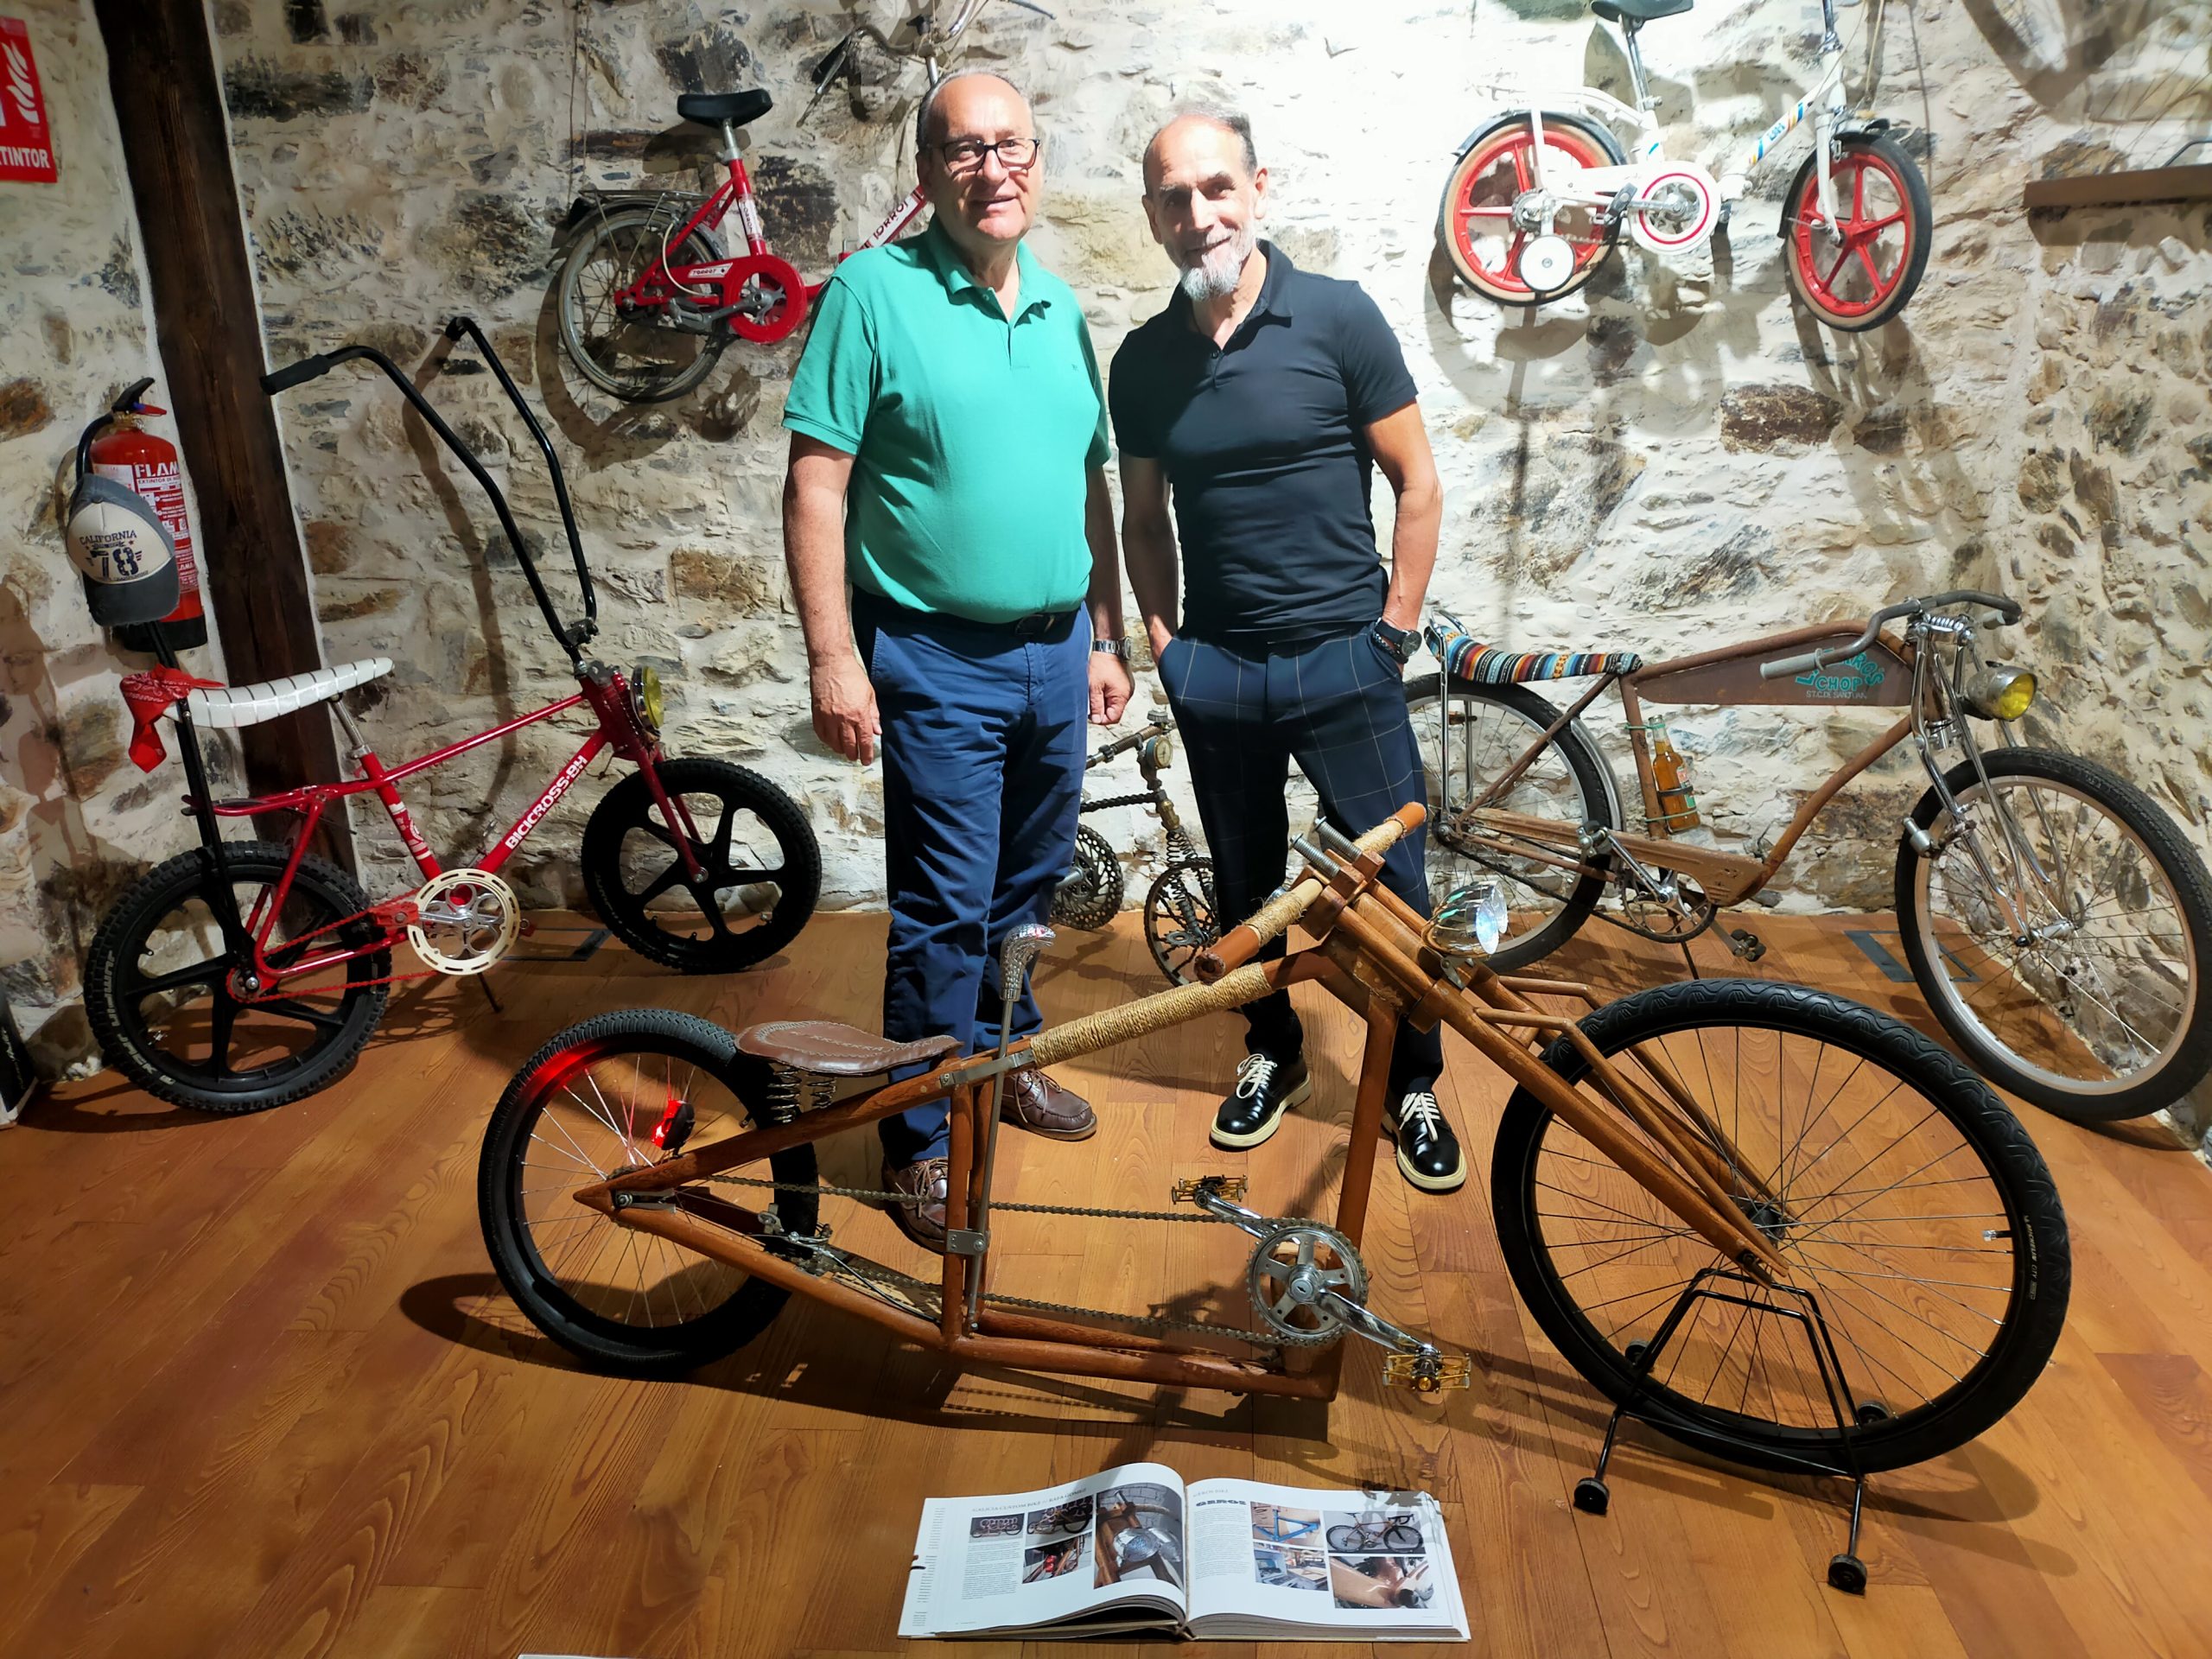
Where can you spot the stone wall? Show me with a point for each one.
(1674, 455)
(77, 819)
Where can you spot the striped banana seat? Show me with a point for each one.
(1465, 657)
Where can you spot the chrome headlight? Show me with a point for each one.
(646, 698)
(1471, 921)
(1999, 692)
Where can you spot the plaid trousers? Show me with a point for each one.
(1338, 709)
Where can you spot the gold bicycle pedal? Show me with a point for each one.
(1227, 1186)
(1428, 1373)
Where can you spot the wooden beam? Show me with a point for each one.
(168, 102)
(2120, 189)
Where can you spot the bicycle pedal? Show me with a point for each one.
(1427, 1372)
(1227, 1186)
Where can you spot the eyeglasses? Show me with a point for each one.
(966, 155)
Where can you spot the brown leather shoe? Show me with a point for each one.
(923, 1223)
(1033, 1102)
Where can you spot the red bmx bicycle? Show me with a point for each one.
(242, 974)
(648, 298)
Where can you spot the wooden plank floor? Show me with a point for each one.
(260, 1394)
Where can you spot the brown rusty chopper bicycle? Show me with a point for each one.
(1776, 1226)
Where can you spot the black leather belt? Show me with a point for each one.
(1038, 625)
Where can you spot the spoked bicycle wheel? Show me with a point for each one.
(759, 868)
(1858, 271)
(1180, 918)
(1476, 223)
(613, 1093)
(166, 1000)
(1550, 891)
(2079, 980)
(632, 354)
(1898, 1189)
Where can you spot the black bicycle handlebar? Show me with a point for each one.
(571, 637)
(2007, 610)
(299, 373)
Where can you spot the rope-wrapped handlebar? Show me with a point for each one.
(1154, 1013)
(1242, 943)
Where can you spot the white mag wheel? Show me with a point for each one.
(465, 921)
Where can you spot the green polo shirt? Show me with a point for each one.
(971, 436)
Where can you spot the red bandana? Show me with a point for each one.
(148, 695)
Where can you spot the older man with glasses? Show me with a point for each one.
(947, 459)
(1266, 398)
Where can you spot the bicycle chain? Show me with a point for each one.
(1150, 1323)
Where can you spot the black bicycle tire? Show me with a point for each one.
(697, 250)
(1100, 910)
(1337, 1535)
(1589, 769)
(1918, 204)
(157, 893)
(602, 1343)
(2185, 872)
(1595, 132)
(626, 804)
(1395, 1536)
(2043, 1275)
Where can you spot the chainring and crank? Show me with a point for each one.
(475, 916)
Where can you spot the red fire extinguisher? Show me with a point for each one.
(147, 463)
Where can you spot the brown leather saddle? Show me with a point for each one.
(831, 1050)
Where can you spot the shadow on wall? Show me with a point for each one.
(2054, 48)
(66, 875)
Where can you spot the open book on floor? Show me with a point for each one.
(1135, 1548)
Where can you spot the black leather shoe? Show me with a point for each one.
(1266, 1089)
(1428, 1153)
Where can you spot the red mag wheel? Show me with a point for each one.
(1476, 222)
(1859, 271)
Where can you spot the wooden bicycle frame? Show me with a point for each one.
(1369, 953)
(1727, 677)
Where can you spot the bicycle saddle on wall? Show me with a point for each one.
(1637, 11)
(712, 109)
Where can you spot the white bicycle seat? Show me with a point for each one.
(248, 705)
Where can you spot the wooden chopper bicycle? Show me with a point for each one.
(1776, 1226)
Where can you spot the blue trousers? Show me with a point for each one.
(983, 745)
(1339, 708)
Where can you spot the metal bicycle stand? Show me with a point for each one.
(1591, 1495)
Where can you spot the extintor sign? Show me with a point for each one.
(26, 143)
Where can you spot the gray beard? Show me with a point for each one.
(1216, 277)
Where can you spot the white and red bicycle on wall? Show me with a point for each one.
(1542, 193)
(648, 297)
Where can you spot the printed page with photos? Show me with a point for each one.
(1102, 1553)
(1277, 1561)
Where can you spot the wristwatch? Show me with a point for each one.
(1112, 647)
(1400, 643)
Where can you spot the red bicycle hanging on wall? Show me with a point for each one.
(240, 976)
(648, 297)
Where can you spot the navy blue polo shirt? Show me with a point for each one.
(1264, 445)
